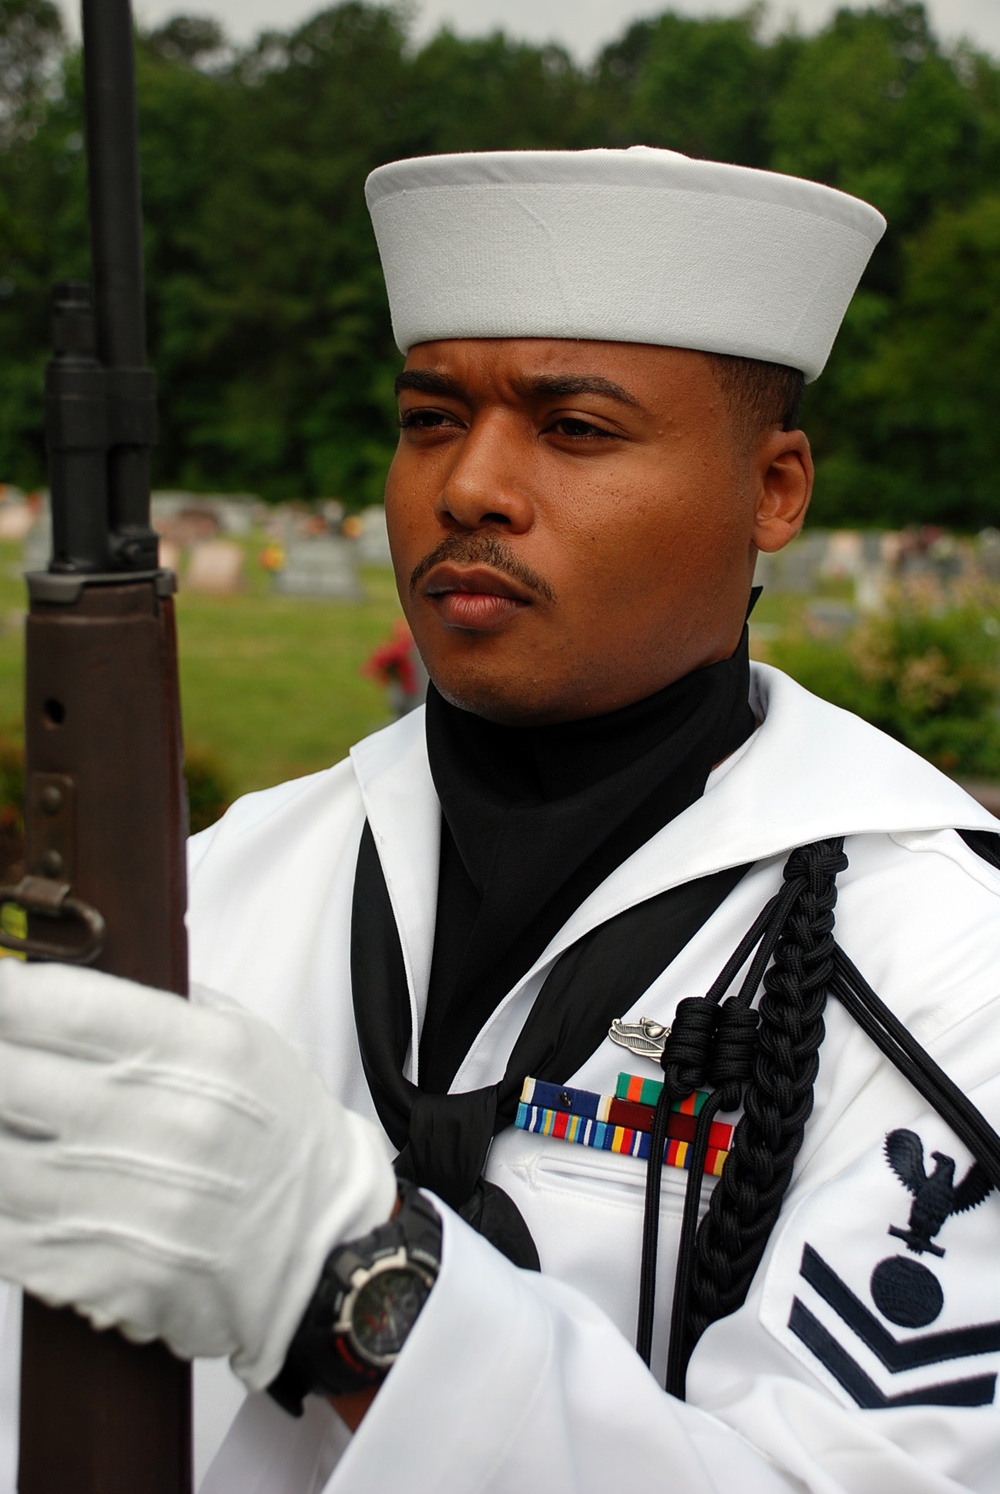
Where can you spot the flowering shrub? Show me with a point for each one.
(926, 670)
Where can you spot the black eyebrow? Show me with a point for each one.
(554, 385)
(545, 386)
(426, 381)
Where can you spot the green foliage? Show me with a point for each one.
(927, 671)
(935, 376)
(872, 105)
(209, 787)
(699, 86)
(31, 34)
(267, 317)
(11, 784)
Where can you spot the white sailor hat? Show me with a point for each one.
(636, 245)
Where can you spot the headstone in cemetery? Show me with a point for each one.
(891, 549)
(870, 588)
(169, 555)
(16, 514)
(797, 567)
(323, 566)
(988, 553)
(215, 567)
(844, 555)
(184, 519)
(37, 549)
(872, 574)
(204, 514)
(236, 512)
(947, 557)
(830, 617)
(373, 539)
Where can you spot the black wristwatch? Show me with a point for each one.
(368, 1299)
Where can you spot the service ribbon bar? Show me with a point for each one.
(620, 1122)
(644, 1091)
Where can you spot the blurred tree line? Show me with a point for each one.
(268, 323)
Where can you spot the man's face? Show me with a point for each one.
(574, 524)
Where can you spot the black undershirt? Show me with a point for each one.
(534, 819)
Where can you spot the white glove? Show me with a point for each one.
(174, 1170)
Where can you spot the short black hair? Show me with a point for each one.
(760, 395)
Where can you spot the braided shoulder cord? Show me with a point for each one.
(744, 1206)
(712, 1044)
(717, 1260)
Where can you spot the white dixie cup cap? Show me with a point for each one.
(638, 245)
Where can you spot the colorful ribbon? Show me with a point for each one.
(620, 1122)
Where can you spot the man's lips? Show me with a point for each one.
(474, 597)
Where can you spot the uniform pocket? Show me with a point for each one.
(608, 1178)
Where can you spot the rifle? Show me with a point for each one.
(105, 810)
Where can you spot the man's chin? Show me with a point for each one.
(509, 701)
(490, 701)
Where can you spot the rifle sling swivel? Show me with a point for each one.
(54, 900)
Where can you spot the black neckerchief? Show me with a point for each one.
(534, 819)
(444, 1139)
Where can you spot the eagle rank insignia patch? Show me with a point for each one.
(883, 1282)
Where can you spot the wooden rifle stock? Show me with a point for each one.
(105, 807)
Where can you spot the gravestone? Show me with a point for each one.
(229, 513)
(845, 555)
(215, 568)
(169, 555)
(830, 618)
(320, 567)
(988, 553)
(797, 567)
(16, 519)
(872, 573)
(37, 549)
(373, 541)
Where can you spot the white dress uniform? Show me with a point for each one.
(514, 1380)
(865, 1358)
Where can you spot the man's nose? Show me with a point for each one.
(488, 483)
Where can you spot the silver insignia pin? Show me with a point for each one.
(645, 1037)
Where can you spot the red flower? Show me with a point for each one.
(393, 662)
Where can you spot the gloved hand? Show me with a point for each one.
(174, 1170)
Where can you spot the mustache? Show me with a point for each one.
(482, 549)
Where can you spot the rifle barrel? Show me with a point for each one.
(119, 301)
(113, 170)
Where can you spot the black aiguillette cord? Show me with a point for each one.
(913, 1061)
(597, 979)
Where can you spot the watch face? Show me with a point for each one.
(385, 1310)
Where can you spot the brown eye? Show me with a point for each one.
(580, 429)
(411, 420)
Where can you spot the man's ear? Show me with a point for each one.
(784, 466)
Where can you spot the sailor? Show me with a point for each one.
(621, 935)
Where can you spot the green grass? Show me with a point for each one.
(270, 684)
(273, 684)
(13, 601)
